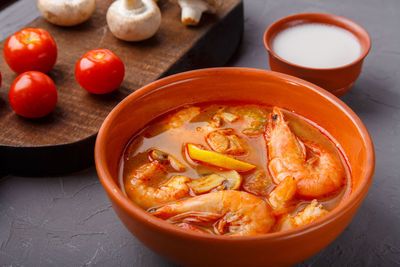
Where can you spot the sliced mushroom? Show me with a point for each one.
(221, 116)
(165, 158)
(229, 180)
(133, 20)
(216, 121)
(233, 180)
(218, 141)
(66, 12)
(205, 184)
(193, 9)
(226, 141)
(229, 117)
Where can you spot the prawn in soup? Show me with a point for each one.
(234, 169)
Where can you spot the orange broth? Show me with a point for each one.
(156, 136)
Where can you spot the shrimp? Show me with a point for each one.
(317, 171)
(312, 212)
(281, 196)
(183, 116)
(233, 212)
(146, 188)
(175, 122)
(142, 186)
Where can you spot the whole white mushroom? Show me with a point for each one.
(133, 20)
(66, 12)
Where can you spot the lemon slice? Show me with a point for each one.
(217, 159)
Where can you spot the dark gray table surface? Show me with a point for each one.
(68, 220)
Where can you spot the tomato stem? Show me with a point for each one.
(99, 56)
(30, 39)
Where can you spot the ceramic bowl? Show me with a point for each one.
(234, 84)
(336, 80)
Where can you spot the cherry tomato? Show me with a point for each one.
(30, 49)
(100, 71)
(33, 94)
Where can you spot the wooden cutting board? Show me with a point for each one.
(64, 141)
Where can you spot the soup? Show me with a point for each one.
(234, 169)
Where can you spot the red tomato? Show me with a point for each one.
(33, 94)
(30, 49)
(100, 71)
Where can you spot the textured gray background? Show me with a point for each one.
(68, 220)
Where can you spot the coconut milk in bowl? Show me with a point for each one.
(325, 49)
(319, 46)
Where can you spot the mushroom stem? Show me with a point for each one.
(190, 16)
(133, 4)
(192, 11)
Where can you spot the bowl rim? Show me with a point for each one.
(270, 34)
(141, 215)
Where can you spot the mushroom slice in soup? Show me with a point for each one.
(222, 116)
(229, 180)
(226, 141)
(165, 158)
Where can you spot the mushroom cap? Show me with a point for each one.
(66, 13)
(134, 24)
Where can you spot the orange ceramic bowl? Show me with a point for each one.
(336, 80)
(234, 84)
